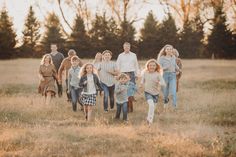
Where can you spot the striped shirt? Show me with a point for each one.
(121, 91)
(104, 69)
(152, 82)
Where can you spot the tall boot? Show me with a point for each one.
(131, 103)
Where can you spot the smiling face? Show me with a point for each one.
(47, 60)
(107, 57)
(126, 48)
(169, 50)
(152, 67)
(74, 63)
(123, 80)
(89, 69)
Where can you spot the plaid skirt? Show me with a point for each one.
(88, 99)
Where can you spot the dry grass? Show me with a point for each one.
(203, 125)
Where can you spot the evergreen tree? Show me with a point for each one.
(167, 32)
(150, 41)
(53, 34)
(30, 34)
(104, 34)
(191, 39)
(126, 34)
(220, 41)
(7, 36)
(79, 40)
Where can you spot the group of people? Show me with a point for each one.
(117, 80)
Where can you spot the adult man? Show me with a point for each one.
(57, 58)
(127, 63)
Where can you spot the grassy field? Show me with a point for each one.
(203, 125)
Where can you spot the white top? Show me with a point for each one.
(127, 62)
(104, 69)
(91, 89)
(152, 82)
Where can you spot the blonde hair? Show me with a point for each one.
(158, 68)
(163, 51)
(107, 51)
(83, 71)
(44, 57)
(122, 75)
(176, 53)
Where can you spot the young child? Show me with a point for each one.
(64, 68)
(121, 91)
(47, 75)
(152, 80)
(97, 60)
(90, 84)
(179, 73)
(73, 82)
(107, 71)
(168, 63)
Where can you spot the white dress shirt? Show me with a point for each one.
(127, 62)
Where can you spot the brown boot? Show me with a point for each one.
(130, 104)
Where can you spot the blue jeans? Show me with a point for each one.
(150, 96)
(75, 95)
(132, 76)
(170, 80)
(124, 109)
(108, 92)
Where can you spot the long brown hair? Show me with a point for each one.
(158, 68)
(163, 51)
(83, 71)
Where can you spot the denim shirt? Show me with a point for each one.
(73, 79)
(83, 83)
(132, 88)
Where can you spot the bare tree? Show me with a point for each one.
(124, 10)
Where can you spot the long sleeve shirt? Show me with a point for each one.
(168, 64)
(127, 62)
(73, 79)
(57, 58)
(152, 82)
(104, 69)
(121, 92)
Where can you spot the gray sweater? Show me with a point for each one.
(121, 91)
(168, 64)
(57, 59)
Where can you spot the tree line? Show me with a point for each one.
(106, 33)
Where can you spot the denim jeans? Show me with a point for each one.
(75, 95)
(108, 92)
(132, 76)
(124, 110)
(170, 79)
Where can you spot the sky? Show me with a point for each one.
(18, 9)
